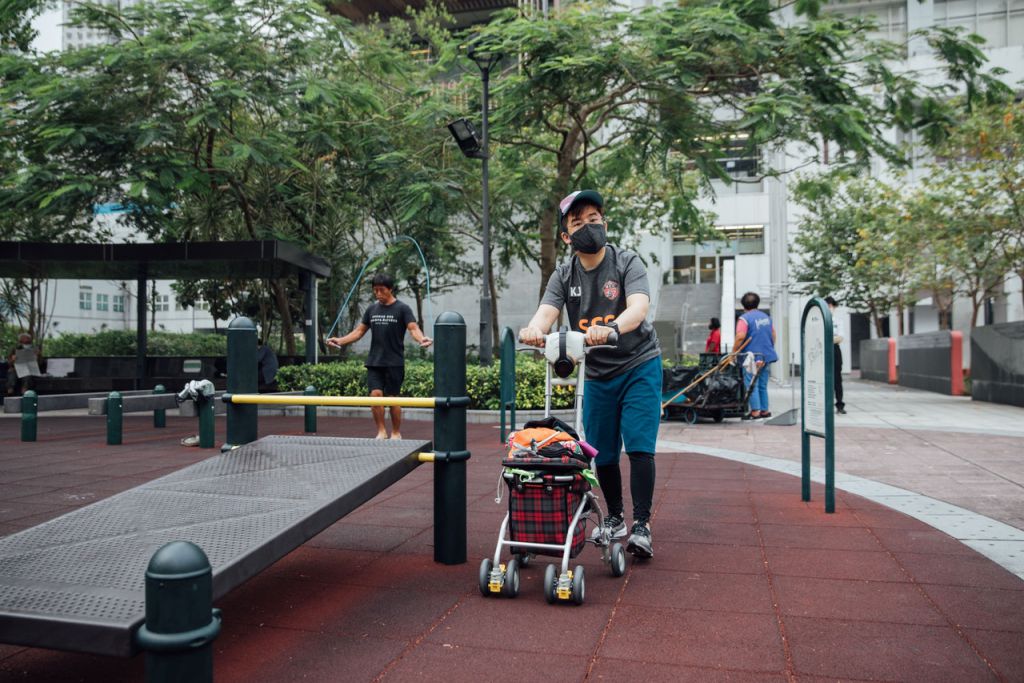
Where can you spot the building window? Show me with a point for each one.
(102, 302)
(162, 302)
(119, 303)
(84, 301)
(747, 239)
(202, 305)
(683, 270)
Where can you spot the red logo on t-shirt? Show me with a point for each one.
(611, 290)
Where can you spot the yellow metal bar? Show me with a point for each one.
(425, 457)
(263, 399)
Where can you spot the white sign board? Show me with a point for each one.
(815, 402)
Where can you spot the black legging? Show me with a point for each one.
(641, 485)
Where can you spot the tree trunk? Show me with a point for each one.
(877, 319)
(287, 325)
(549, 218)
(495, 332)
(548, 247)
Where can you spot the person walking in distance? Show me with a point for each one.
(837, 365)
(756, 326)
(387, 319)
(604, 289)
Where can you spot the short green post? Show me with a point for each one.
(242, 379)
(310, 411)
(115, 418)
(450, 438)
(181, 623)
(507, 391)
(29, 415)
(205, 405)
(159, 414)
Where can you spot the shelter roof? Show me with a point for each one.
(269, 259)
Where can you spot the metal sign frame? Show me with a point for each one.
(829, 398)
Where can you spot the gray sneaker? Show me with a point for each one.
(616, 523)
(639, 542)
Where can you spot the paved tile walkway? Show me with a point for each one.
(748, 582)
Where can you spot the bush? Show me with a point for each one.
(483, 384)
(122, 343)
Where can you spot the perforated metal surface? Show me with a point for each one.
(77, 582)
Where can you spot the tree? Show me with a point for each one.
(984, 158)
(967, 232)
(200, 118)
(598, 95)
(856, 242)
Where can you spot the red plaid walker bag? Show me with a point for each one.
(543, 468)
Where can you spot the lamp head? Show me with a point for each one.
(466, 137)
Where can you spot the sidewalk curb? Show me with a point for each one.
(999, 542)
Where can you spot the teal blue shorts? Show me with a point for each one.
(624, 410)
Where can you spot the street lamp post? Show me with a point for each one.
(475, 148)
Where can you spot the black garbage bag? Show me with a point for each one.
(676, 378)
(724, 387)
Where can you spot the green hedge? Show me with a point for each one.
(482, 383)
(122, 343)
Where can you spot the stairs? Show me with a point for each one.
(683, 314)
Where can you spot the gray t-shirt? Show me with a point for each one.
(599, 296)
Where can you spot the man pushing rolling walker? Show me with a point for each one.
(604, 289)
(387, 320)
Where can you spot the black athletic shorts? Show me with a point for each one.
(387, 378)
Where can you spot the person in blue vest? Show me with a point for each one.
(756, 326)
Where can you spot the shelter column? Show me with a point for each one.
(307, 281)
(140, 328)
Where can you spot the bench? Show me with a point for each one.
(13, 404)
(77, 582)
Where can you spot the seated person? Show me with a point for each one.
(267, 363)
(25, 355)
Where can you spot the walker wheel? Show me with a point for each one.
(690, 416)
(579, 585)
(550, 583)
(485, 576)
(618, 559)
(510, 588)
(524, 559)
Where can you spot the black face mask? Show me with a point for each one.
(589, 239)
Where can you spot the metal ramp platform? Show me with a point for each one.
(77, 582)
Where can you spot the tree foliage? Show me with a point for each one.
(632, 101)
(956, 233)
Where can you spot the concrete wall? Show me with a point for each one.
(997, 371)
(874, 359)
(931, 361)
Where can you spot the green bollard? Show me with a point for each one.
(115, 418)
(310, 412)
(205, 406)
(181, 622)
(29, 415)
(242, 379)
(450, 437)
(159, 414)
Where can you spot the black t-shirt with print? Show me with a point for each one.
(387, 325)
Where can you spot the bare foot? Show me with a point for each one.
(381, 436)
(395, 436)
